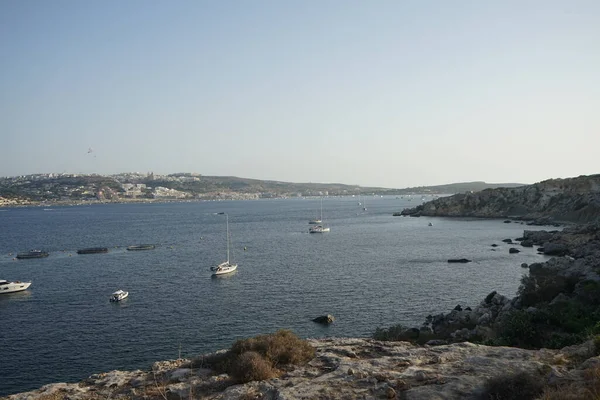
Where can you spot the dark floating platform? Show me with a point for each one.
(459, 260)
(141, 247)
(93, 250)
(33, 254)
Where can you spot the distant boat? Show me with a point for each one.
(93, 250)
(226, 267)
(33, 254)
(118, 295)
(141, 247)
(319, 228)
(317, 221)
(11, 287)
(365, 204)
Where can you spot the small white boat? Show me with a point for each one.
(119, 295)
(11, 287)
(318, 229)
(225, 267)
(317, 221)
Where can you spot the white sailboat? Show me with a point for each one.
(225, 267)
(319, 228)
(317, 221)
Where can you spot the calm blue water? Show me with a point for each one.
(371, 270)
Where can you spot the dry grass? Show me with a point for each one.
(260, 357)
(280, 348)
(588, 390)
(521, 385)
(251, 366)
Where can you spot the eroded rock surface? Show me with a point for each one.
(342, 369)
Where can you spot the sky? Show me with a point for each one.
(393, 93)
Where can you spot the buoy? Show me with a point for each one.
(201, 237)
(244, 248)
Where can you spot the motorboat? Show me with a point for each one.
(33, 254)
(225, 267)
(318, 229)
(314, 221)
(93, 250)
(11, 287)
(118, 295)
(141, 247)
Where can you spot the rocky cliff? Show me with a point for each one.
(573, 200)
(344, 369)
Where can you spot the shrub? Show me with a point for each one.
(280, 348)
(544, 286)
(516, 386)
(260, 357)
(596, 341)
(251, 366)
(518, 329)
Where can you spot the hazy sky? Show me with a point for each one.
(376, 93)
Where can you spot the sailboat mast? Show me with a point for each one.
(227, 223)
(321, 209)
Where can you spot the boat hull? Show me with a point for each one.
(225, 270)
(93, 250)
(141, 247)
(118, 297)
(32, 254)
(13, 287)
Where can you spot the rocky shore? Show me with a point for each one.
(574, 200)
(341, 369)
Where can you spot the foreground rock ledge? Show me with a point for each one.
(342, 369)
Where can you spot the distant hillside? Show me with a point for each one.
(461, 187)
(572, 199)
(135, 186)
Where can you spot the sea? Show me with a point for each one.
(371, 270)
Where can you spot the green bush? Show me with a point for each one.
(515, 386)
(544, 287)
(518, 329)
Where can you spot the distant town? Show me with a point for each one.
(67, 188)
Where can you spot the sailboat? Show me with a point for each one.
(225, 267)
(319, 228)
(316, 221)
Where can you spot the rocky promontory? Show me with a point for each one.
(566, 200)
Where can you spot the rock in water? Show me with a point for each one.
(512, 250)
(459, 260)
(324, 319)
